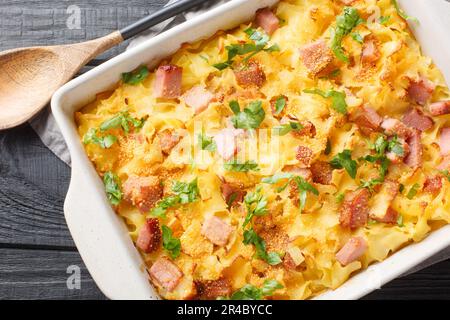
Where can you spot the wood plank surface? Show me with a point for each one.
(35, 245)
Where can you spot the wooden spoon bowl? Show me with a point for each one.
(30, 76)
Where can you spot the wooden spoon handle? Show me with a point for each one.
(159, 16)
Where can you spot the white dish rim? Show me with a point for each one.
(120, 274)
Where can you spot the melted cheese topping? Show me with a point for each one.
(312, 237)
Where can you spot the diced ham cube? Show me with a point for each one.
(168, 82)
(142, 192)
(433, 185)
(352, 250)
(414, 158)
(149, 237)
(304, 155)
(347, 2)
(355, 209)
(322, 172)
(168, 140)
(232, 194)
(420, 91)
(370, 52)
(250, 75)
(226, 142)
(216, 230)
(198, 98)
(213, 289)
(394, 127)
(444, 141)
(417, 120)
(316, 57)
(440, 108)
(367, 119)
(166, 274)
(267, 20)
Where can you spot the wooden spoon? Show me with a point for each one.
(30, 76)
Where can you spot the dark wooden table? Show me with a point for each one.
(36, 248)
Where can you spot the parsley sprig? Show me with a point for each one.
(345, 23)
(280, 104)
(136, 76)
(303, 186)
(338, 102)
(237, 166)
(112, 188)
(256, 205)
(183, 193)
(122, 120)
(248, 50)
(250, 118)
(171, 244)
(250, 292)
(284, 129)
(206, 143)
(105, 142)
(251, 237)
(344, 160)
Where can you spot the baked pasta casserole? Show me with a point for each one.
(277, 159)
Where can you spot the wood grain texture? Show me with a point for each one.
(43, 274)
(35, 244)
(40, 71)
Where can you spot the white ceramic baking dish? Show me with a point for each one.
(101, 236)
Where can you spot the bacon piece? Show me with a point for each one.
(322, 172)
(142, 192)
(354, 211)
(168, 82)
(367, 119)
(149, 236)
(370, 52)
(395, 127)
(308, 130)
(213, 289)
(433, 185)
(440, 108)
(168, 140)
(232, 194)
(198, 98)
(250, 75)
(316, 56)
(304, 155)
(417, 120)
(352, 250)
(414, 158)
(267, 20)
(395, 158)
(444, 141)
(226, 142)
(420, 91)
(165, 274)
(216, 230)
